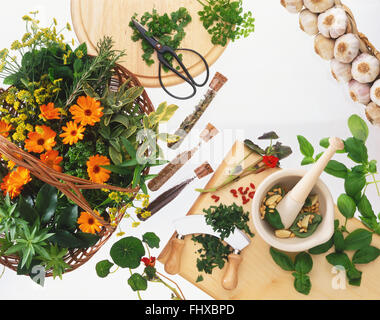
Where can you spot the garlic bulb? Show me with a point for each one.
(309, 22)
(347, 48)
(318, 6)
(341, 71)
(293, 6)
(375, 92)
(372, 111)
(365, 68)
(359, 92)
(333, 23)
(324, 47)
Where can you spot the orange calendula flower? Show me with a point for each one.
(49, 112)
(14, 181)
(52, 160)
(43, 139)
(5, 128)
(87, 111)
(88, 224)
(72, 133)
(96, 173)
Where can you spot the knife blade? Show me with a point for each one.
(196, 224)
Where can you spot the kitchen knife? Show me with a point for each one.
(196, 224)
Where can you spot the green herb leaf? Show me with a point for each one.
(199, 279)
(269, 136)
(307, 160)
(354, 184)
(151, 240)
(365, 255)
(282, 260)
(103, 268)
(127, 252)
(358, 239)
(46, 202)
(305, 146)
(336, 169)
(303, 263)
(302, 283)
(346, 206)
(274, 219)
(322, 248)
(137, 282)
(357, 151)
(338, 241)
(358, 127)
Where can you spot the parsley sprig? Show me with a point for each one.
(224, 20)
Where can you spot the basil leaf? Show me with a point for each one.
(346, 206)
(103, 268)
(338, 241)
(336, 169)
(365, 208)
(357, 151)
(372, 166)
(358, 239)
(339, 259)
(274, 219)
(358, 127)
(282, 260)
(305, 146)
(302, 283)
(303, 263)
(322, 248)
(366, 255)
(307, 160)
(354, 184)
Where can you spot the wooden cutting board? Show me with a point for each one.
(259, 276)
(93, 19)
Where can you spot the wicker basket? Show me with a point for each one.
(70, 185)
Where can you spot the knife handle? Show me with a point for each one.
(230, 278)
(173, 263)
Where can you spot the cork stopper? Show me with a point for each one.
(204, 170)
(218, 81)
(208, 133)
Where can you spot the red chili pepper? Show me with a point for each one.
(233, 191)
(246, 190)
(251, 194)
(245, 200)
(216, 198)
(253, 186)
(241, 190)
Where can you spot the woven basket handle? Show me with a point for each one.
(68, 185)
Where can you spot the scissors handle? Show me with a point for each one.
(188, 78)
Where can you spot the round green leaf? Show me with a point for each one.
(127, 252)
(357, 151)
(103, 268)
(354, 183)
(137, 282)
(302, 283)
(366, 255)
(346, 206)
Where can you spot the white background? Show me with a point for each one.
(276, 82)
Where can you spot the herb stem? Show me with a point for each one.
(181, 297)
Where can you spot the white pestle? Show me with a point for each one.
(290, 206)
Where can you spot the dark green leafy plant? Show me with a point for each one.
(167, 29)
(128, 253)
(301, 266)
(224, 220)
(224, 20)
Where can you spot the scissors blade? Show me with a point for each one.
(151, 40)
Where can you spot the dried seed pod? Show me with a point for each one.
(318, 6)
(341, 71)
(359, 92)
(365, 68)
(375, 92)
(308, 22)
(347, 48)
(293, 6)
(333, 23)
(324, 47)
(372, 112)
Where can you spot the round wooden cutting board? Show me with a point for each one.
(93, 19)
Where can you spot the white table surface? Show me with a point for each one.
(276, 82)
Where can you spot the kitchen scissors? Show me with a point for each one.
(163, 50)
